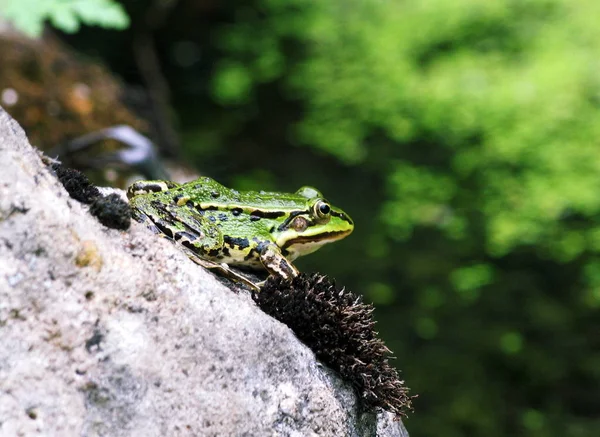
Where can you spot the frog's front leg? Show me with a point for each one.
(277, 264)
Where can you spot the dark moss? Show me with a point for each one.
(112, 211)
(76, 183)
(339, 328)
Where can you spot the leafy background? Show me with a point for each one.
(463, 138)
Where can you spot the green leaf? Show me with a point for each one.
(29, 16)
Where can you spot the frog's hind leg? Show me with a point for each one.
(198, 236)
(193, 230)
(150, 213)
(221, 268)
(144, 219)
(190, 230)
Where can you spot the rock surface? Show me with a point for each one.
(111, 333)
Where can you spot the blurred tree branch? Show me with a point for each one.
(149, 66)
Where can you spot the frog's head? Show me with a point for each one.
(305, 230)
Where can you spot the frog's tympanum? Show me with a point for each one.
(219, 226)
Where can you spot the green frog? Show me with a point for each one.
(219, 227)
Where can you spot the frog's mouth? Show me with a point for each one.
(317, 240)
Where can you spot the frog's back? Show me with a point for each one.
(208, 192)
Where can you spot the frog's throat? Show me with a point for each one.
(306, 245)
(315, 240)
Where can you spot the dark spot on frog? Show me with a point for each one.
(236, 211)
(195, 207)
(94, 341)
(177, 198)
(164, 229)
(223, 217)
(197, 186)
(272, 229)
(250, 255)
(215, 194)
(213, 252)
(208, 208)
(283, 265)
(212, 218)
(267, 214)
(226, 251)
(157, 204)
(89, 295)
(254, 218)
(190, 237)
(154, 188)
(241, 243)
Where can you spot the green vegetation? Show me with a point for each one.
(29, 16)
(480, 124)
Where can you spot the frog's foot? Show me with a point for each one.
(277, 264)
(223, 269)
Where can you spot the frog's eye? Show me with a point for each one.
(322, 209)
(299, 224)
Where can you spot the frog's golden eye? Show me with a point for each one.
(299, 224)
(322, 209)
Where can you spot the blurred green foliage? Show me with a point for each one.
(29, 16)
(463, 138)
(480, 123)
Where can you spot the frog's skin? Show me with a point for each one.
(251, 229)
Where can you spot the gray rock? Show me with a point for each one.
(111, 333)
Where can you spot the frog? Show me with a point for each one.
(220, 228)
